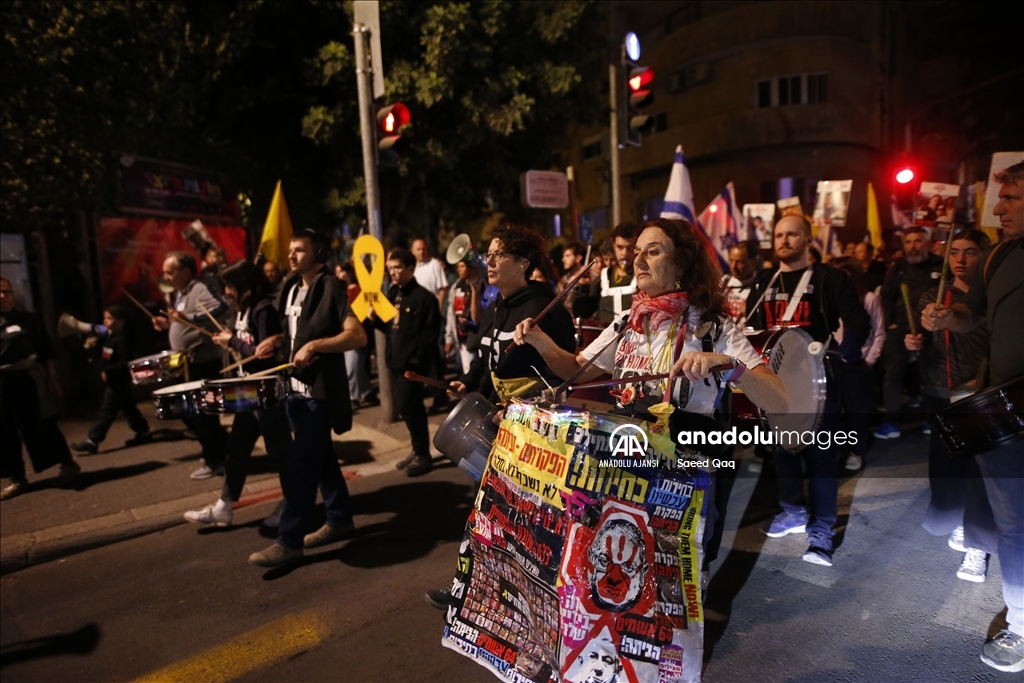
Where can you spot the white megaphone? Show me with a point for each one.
(69, 326)
(461, 249)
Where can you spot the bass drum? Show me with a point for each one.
(984, 421)
(797, 359)
(466, 435)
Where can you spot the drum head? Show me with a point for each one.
(803, 374)
(179, 388)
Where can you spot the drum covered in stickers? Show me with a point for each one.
(582, 552)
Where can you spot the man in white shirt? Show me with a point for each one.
(429, 271)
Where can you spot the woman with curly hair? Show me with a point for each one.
(514, 252)
(677, 324)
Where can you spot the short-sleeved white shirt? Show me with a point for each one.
(430, 276)
(634, 357)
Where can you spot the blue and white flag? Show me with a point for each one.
(679, 195)
(721, 222)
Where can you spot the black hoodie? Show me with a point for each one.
(496, 327)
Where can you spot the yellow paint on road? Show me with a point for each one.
(267, 645)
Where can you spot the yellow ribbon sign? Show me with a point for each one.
(370, 281)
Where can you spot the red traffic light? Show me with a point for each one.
(904, 175)
(390, 121)
(639, 78)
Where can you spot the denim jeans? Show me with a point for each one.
(310, 461)
(1003, 470)
(819, 465)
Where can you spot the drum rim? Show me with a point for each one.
(819, 385)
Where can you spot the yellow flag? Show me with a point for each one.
(277, 231)
(874, 223)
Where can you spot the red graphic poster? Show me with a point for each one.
(132, 252)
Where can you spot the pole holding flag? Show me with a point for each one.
(277, 231)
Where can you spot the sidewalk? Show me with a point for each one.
(127, 492)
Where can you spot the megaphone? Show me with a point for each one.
(461, 249)
(69, 326)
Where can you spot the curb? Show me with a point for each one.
(25, 550)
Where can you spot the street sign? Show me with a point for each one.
(586, 229)
(544, 189)
(367, 13)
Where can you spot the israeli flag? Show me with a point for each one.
(679, 195)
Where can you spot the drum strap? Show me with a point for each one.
(798, 293)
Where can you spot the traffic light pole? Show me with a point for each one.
(613, 137)
(364, 82)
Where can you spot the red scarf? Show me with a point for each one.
(657, 309)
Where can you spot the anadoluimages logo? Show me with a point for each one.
(628, 441)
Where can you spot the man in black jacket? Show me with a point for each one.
(816, 297)
(919, 269)
(412, 336)
(318, 328)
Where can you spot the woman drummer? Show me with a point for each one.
(248, 291)
(514, 252)
(677, 324)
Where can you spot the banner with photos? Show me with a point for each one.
(758, 222)
(936, 205)
(790, 206)
(579, 564)
(832, 203)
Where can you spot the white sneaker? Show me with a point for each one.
(854, 463)
(956, 540)
(974, 566)
(210, 515)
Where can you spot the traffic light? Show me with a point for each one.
(904, 177)
(637, 92)
(390, 122)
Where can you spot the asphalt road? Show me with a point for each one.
(185, 605)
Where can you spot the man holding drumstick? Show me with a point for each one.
(996, 295)
(181, 322)
(319, 327)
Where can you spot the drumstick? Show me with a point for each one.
(186, 323)
(210, 316)
(271, 371)
(910, 309)
(415, 377)
(554, 302)
(945, 270)
(234, 353)
(138, 303)
(239, 363)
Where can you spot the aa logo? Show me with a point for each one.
(628, 441)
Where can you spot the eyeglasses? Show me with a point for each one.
(495, 255)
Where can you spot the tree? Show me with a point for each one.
(493, 87)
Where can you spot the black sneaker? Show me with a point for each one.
(439, 599)
(86, 446)
(139, 439)
(405, 462)
(420, 465)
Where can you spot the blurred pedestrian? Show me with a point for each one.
(743, 269)
(873, 269)
(356, 360)
(464, 314)
(29, 393)
(611, 294)
(116, 351)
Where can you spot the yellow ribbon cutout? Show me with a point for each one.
(370, 282)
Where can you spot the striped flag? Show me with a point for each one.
(679, 195)
(720, 221)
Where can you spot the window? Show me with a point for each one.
(783, 91)
(592, 150)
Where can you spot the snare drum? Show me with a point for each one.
(797, 360)
(179, 401)
(587, 330)
(241, 394)
(167, 367)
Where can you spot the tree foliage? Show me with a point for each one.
(493, 88)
